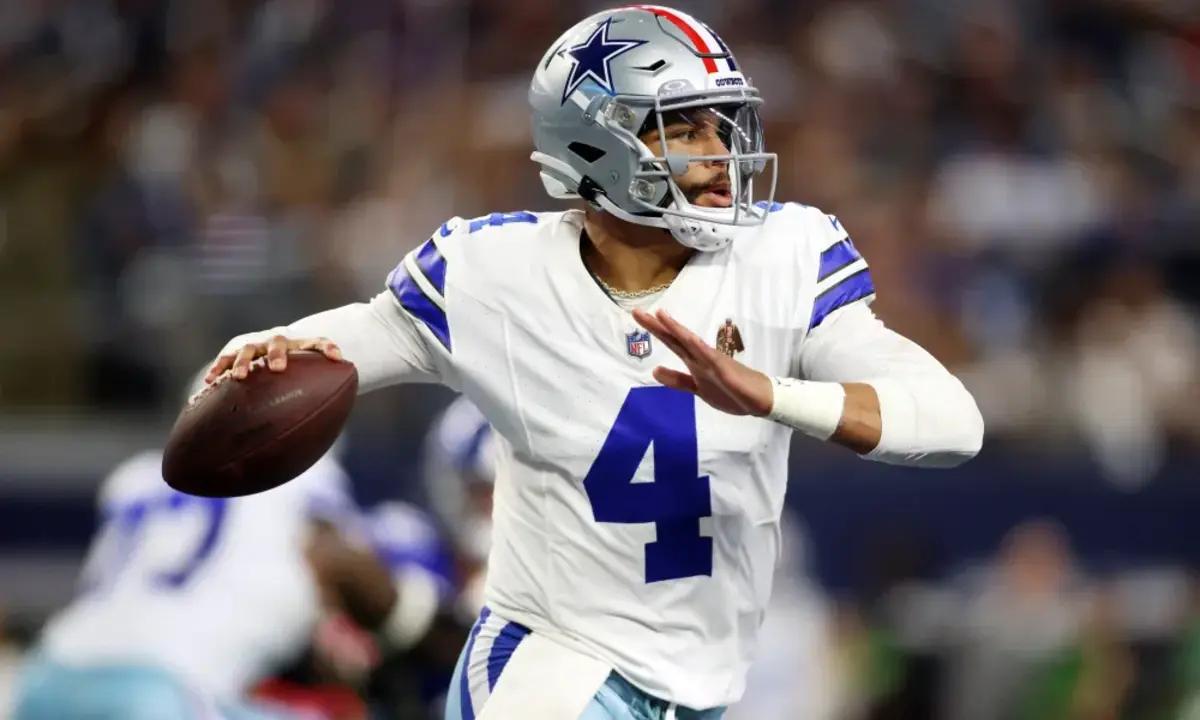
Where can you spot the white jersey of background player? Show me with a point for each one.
(215, 593)
(459, 473)
(636, 527)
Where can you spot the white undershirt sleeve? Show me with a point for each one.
(929, 418)
(379, 337)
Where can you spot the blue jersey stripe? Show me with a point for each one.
(413, 299)
(431, 262)
(854, 287)
(837, 257)
(468, 710)
(503, 648)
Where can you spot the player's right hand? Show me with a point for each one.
(275, 350)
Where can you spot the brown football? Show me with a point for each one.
(239, 437)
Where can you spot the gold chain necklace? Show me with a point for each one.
(630, 294)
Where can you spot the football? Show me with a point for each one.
(240, 437)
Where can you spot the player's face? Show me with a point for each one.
(697, 132)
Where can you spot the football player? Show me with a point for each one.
(640, 470)
(411, 681)
(459, 472)
(187, 601)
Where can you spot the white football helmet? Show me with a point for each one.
(613, 77)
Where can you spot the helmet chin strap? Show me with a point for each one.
(562, 181)
(692, 232)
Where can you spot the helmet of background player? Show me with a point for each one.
(603, 97)
(459, 472)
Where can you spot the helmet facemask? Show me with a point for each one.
(659, 199)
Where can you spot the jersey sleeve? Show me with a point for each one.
(842, 274)
(377, 336)
(855, 346)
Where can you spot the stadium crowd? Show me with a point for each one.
(1023, 175)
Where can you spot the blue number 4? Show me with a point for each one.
(664, 419)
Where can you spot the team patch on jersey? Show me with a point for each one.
(729, 338)
(637, 344)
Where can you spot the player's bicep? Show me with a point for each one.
(853, 345)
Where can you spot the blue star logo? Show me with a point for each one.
(592, 58)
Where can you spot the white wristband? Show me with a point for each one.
(415, 608)
(813, 408)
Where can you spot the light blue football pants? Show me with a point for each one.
(490, 645)
(52, 691)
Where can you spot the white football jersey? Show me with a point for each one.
(632, 521)
(216, 591)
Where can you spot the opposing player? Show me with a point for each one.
(189, 601)
(636, 529)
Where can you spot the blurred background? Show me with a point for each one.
(1023, 177)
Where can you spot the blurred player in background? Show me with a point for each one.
(459, 474)
(636, 530)
(187, 602)
(458, 464)
(411, 678)
(795, 670)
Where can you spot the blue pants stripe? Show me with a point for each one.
(468, 711)
(502, 650)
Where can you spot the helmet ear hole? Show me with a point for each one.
(589, 153)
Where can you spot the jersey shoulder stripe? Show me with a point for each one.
(432, 264)
(848, 288)
(842, 273)
(419, 296)
(837, 257)
(419, 282)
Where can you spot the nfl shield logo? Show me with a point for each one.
(637, 343)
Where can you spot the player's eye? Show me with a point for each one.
(683, 132)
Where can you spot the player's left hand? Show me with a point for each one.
(713, 376)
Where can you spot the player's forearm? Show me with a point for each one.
(929, 421)
(882, 395)
(861, 424)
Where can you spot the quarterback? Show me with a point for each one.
(644, 360)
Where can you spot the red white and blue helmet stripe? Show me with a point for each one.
(703, 39)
